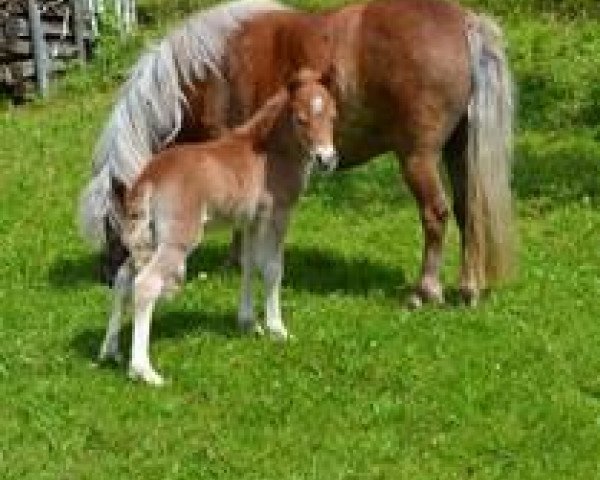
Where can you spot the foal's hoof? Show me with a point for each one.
(110, 356)
(250, 327)
(146, 375)
(469, 296)
(279, 334)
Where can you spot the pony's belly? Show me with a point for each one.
(359, 136)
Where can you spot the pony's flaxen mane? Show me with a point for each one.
(149, 111)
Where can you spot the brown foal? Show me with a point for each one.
(251, 177)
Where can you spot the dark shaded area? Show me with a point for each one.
(311, 269)
(72, 272)
(166, 324)
(317, 270)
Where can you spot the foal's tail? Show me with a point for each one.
(489, 229)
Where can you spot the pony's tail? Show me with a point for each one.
(96, 206)
(489, 231)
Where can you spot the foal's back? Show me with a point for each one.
(213, 172)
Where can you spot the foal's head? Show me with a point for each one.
(313, 113)
(303, 110)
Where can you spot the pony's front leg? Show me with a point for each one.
(246, 320)
(422, 176)
(270, 261)
(110, 349)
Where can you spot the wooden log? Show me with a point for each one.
(19, 27)
(24, 48)
(39, 48)
(17, 72)
(27, 68)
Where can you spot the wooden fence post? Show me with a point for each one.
(40, 52)
(78, 27)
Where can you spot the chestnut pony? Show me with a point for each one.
(421, 78)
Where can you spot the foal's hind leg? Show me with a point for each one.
(121, 296)
(422, 176)
(162, 274)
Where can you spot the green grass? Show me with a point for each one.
(369, 390)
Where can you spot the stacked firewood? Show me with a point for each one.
(39, 37)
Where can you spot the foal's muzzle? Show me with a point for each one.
(326, 158)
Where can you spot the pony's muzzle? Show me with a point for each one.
(326, 158)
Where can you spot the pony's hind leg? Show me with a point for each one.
(110, 349)
(422, 176)
(456, 163)
(162, 274)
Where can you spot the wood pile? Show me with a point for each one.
(39, 37)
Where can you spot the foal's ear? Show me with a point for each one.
(263, 121)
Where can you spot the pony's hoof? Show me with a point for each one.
(425, 295)
(250, 327)
(146, 375)
(414, 301)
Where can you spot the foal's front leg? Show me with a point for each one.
(164, 272)
(269, 257)
(246, 320)
(110, 349)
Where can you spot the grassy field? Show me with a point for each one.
(369, 389)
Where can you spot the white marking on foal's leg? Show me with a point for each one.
(246, 320)
(270, 259)
(110, 349)
(147, 288)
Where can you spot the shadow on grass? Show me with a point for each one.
(307, 269)
(72, 272)
(316, 270)
(166, 324)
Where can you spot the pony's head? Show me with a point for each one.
(313, 113)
